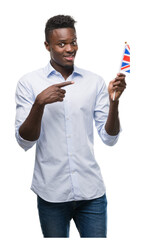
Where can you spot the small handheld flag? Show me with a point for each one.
(125, 65)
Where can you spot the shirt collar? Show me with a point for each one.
(49, 70)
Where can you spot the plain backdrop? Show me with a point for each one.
(102, 28)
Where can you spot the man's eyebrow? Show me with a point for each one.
(64, 40)
(74, 39)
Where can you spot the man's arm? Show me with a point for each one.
(30, 129)
(112, 126)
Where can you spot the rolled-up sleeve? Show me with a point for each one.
(108, 139)
(24, 100)
(101, 110)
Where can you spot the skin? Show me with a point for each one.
(62, 47)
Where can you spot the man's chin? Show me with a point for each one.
(69, 65)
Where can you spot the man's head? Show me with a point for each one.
(59, 21)
(60, 40)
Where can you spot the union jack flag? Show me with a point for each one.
(125, 65)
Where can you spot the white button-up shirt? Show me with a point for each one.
(65, 165)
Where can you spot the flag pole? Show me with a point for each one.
(119, 71)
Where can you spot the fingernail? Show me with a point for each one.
(72, 81)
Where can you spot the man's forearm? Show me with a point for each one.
(30, 129)
(112, 126)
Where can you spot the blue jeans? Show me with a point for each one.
(90, 217)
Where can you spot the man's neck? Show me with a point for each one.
(65, 71)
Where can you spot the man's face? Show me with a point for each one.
(62, 46)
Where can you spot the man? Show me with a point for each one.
(56, 106)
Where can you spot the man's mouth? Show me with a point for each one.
(70, 57)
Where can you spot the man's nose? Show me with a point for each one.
(69, 48)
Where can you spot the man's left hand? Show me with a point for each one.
(117, 85)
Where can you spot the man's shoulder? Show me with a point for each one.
(90, 74)
(32, 76)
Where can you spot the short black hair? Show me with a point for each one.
(58, 21)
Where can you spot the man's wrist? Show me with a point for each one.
(114, 106)
(114, 102)
(38, 103)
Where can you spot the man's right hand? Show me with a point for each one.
(52, 94)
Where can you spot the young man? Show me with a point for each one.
(56, 106)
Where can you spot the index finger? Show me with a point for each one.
(64, 84)
(121, 75)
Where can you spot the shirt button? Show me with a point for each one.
(68, 136)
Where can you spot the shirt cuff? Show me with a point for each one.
(25, 144)
(109, 139)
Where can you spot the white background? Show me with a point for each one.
(102, 28)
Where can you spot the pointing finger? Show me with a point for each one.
(64, 84)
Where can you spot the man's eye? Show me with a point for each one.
(61, 44)
(74, 43)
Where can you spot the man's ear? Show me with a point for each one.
(47, 46)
